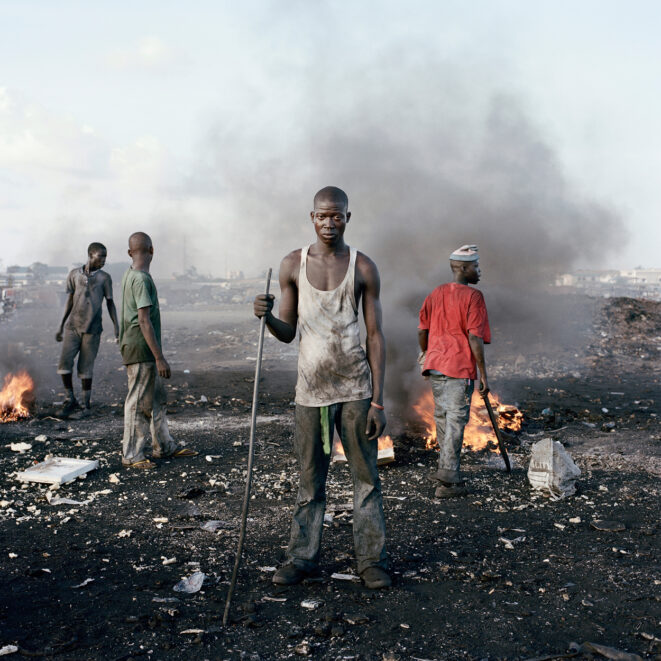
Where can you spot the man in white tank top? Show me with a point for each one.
(340, 385)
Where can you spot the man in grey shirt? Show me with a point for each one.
(80, 330)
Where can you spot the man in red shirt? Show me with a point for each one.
(453, 330)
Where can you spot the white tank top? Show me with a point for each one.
(332, 365)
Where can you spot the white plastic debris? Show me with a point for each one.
(20, 447)
(8, 649)
(113, 478)
(311, 604)
(87, 581)
(124, 533)
(41, 438)
(57, 470)
(552, 469)
(191, 584)
(345, 577)
(56, 500)
(212, 526)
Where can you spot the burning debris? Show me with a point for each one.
(386, 451)
(478, 434)
(16, 397)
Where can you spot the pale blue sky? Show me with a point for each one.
(108, 110)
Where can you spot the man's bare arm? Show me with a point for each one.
(67, 311)
(423, 339)
(150, 338)
(112, 311)
(283, 328)
(477, 347)
(376, 342)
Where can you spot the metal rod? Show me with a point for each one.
(496, 429)
(251, 452)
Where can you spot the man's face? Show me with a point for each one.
(473, 272)
(330, 219)
(97, 259)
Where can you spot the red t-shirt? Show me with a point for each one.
(450, 313)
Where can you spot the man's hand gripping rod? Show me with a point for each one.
(251, 445)
(496, 429)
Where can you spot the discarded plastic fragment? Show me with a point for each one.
(56, 500)
(192, 631)
(165, 600)
(191, 584)
(57, 470)
(168, 561)
(603, 650)
(311, 604)
(41, 438)
(87, 581)
(509, 543)
(113, 478)
(212, 526)
(267, 569)
(345, 577)
(124, 533)
(552, 469)
(20, 447)
(607, 526)
(8, 649)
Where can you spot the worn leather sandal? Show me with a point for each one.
(181, 452)
(143, 464)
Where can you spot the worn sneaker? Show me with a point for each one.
(451, 490)
(375, 578)
(290, 574)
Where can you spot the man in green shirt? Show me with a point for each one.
(140, 344)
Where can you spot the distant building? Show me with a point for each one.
(636, 283)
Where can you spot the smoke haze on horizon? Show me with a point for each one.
(428, 117)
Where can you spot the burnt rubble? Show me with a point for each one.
(89, 568)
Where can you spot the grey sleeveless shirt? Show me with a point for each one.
(332, 365)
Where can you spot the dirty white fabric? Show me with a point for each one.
(332, 365)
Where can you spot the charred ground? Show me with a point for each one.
(458, 592)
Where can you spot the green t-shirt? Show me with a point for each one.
(138, 291)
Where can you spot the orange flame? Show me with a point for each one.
(478, 433)
(384, 443)
(16, 396)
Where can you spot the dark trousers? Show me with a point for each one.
(369, 529)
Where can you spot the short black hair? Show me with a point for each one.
(332, 193)
(95, 246)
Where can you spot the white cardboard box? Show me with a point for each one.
(57, 470)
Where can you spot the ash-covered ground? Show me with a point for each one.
(503, 573)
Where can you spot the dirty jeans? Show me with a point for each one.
(369, 528)
(144, 410)
(452, 401)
